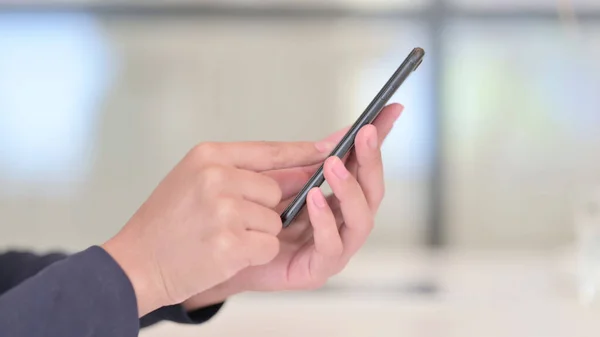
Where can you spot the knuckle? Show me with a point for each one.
(273, 222)
(276, 152)
(263, 250)
(226, 211)
(268, 250)
(225, 248)
(274, 192)
(211, 176)
(271, 248)
(225, 242)
(205, 152)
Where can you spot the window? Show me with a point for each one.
(53, 72)
(521, 118)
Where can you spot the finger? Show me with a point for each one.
(358, 217)
(370, 166)
(331, 141)
(258, 188)
(260, 248)
(252, 186)
(328, 243)
(386, 119)
(384, 124)
(391, 111)
(300, 228)
(334, 204)
(351, 163)
(290, 181)
(259, 219)
(259, 156)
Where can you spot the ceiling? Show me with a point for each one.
(343, 4)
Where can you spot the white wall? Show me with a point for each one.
(179, 83)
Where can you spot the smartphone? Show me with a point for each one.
(410, 64)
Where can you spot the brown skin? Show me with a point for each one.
(211, 229)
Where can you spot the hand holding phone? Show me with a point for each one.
(410, 64)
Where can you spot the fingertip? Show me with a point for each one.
(277, 192)
(367, 135)
(317, 198)
(325, 146)
(396, 109)
(319, 212)
(327, 240)
(386, 119)
(329, 163)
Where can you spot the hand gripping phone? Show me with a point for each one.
(410, 64)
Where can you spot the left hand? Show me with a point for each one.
(330, 230)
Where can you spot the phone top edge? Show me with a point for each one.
(418, 52)
(410, 64)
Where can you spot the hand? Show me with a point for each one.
(331, 230)
(212, 216)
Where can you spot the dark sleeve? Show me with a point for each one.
(86, 294)
(178, 314)
(91, 276)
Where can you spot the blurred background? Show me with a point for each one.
(490, 223)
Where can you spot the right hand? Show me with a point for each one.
(212, 216)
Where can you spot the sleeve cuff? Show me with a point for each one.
(178, 314)
(174, 313)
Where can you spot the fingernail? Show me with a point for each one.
(340, 170)
(324, 146)
(319, 199)
(372, 140)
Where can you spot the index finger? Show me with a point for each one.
(260, 156)
(292, 180)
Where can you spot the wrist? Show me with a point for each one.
(140, 272)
